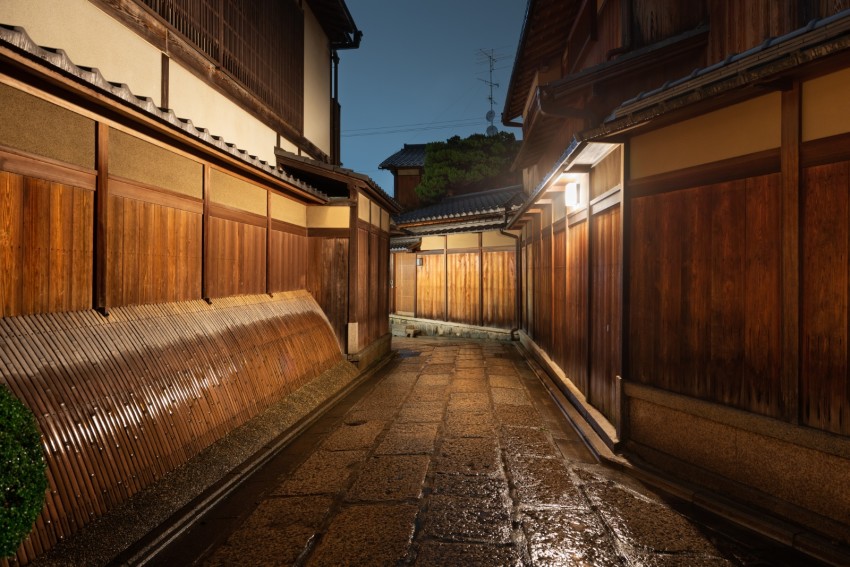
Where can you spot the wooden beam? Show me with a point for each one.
(268, 242)
(790, 160)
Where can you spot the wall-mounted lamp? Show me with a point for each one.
(572, 194)
(419, 261)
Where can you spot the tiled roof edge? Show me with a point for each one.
(18, 38)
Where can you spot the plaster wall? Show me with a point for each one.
(364, 207)
(737, 130)
(234, 192)
(462, 240)
(433, 243)
(328, 217)
(287, 210)
(317, 83)
(81, 30)
(826, 106)
(493, 238)
(192, 98)
(375, 217)
(141, 161)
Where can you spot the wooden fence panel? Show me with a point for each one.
(430, 283)
(327, 281)
(824, 399)
(45, 246)
(606, 275)
(575, 363)
(288, 261)
(237, 258)
(404, 282)
(464, 279)
(154, 253)
(705, 293)
(559, 298)
(499, 280)
(377, 287)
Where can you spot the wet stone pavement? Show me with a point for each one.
(452, 455)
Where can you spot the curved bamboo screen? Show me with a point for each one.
(123, 400)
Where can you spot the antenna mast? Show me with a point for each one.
(491, 114)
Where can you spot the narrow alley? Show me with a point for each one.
(453, 454)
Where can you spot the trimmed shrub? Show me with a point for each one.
(23, 476)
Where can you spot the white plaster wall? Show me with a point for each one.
(192, 98)
(82, 31)
(317, 83)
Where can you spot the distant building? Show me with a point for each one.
(407, 166)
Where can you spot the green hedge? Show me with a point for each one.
(23, 477)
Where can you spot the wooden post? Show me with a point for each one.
(790, 164)
(100, 279)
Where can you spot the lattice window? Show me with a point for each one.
(258, 43)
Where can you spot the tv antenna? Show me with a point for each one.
(491, 114)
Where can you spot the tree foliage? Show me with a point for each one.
(462, 165)
(23, 480)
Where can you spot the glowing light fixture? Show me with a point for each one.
(572, 195)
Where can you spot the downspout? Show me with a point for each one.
(518, 302)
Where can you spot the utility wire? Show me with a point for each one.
(423, 126)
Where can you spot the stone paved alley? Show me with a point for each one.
(454, 454)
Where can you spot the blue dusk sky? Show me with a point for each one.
(420, 75)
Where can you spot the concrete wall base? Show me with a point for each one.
(432, 328)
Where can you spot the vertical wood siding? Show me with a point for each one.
(404, 282)
(559, 298)
(825, 387)
(606, 275)
(430, 283)
(45, 246)
(327, 281)
(499, 281)
(237, 263)
(464, 279)
(287, 261)
(705, 293)
(575, 352)
(154, 253)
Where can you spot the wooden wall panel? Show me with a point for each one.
(606, 275)
(499, 280)
(327, 281)
(575, 352)
(377, 286)
(464, 280)
(154, 253)
(824, 399)
(404, 282)
(705, 293)
(430, 283)
(362, 273)
(559, 298)
(237, 263)
(288, 261)
(383, 311)
(45, 246)
(543, 293)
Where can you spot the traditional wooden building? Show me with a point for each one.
(454, 266)
(684, 242)
(407, 166)
(179, 249)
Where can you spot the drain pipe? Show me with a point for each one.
(518, 294)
